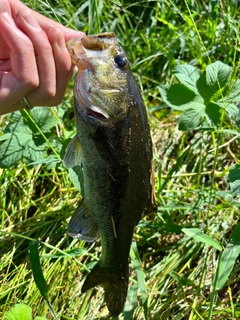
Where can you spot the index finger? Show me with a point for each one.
(46, 24)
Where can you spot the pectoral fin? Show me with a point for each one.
(73, 154)
(82, 225)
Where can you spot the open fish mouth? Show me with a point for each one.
(95, 112)
(83, 92)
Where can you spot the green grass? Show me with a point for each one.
(171, 273)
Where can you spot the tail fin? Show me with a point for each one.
(115, 287)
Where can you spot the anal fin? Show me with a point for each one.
(82, 225)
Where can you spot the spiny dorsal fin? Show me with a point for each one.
(82, 225)
(73, 154)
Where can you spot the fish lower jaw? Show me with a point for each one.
(97, 114)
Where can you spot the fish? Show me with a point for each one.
(113, 146)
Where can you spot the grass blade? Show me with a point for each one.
(39, 279)
(137, 266)
(33, 254)
(228, 257)
(131, 302)
(198, 235)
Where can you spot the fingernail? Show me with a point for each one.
(7, 18)
(70, 33)
(30, 20)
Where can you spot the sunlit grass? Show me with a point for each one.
(191, 168)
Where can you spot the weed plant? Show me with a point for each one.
(184, 259)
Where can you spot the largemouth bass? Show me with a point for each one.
(113, 145)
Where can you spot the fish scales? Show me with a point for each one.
(113, 145)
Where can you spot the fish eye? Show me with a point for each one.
(121, 62)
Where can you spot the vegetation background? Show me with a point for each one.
(173, 276)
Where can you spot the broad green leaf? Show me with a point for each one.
(198, 235)
(229, 97)
(228, 258)
(34, 150)
(234, 179)
(177, 96)
(43, 118)
(234, 95)
(203, 89)
(188, 75)
(18, 126)
(16, 116)
(12, 150)
(218, 74)
(21, 143)
(232, 110)
(40, 318)
(217, 77)
(19, 312)
(21, 147)
(5, 136)
(191, 118)
(213, 112)
(33, 254)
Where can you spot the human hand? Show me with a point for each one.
(34, 61)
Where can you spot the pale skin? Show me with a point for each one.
(34, 61)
